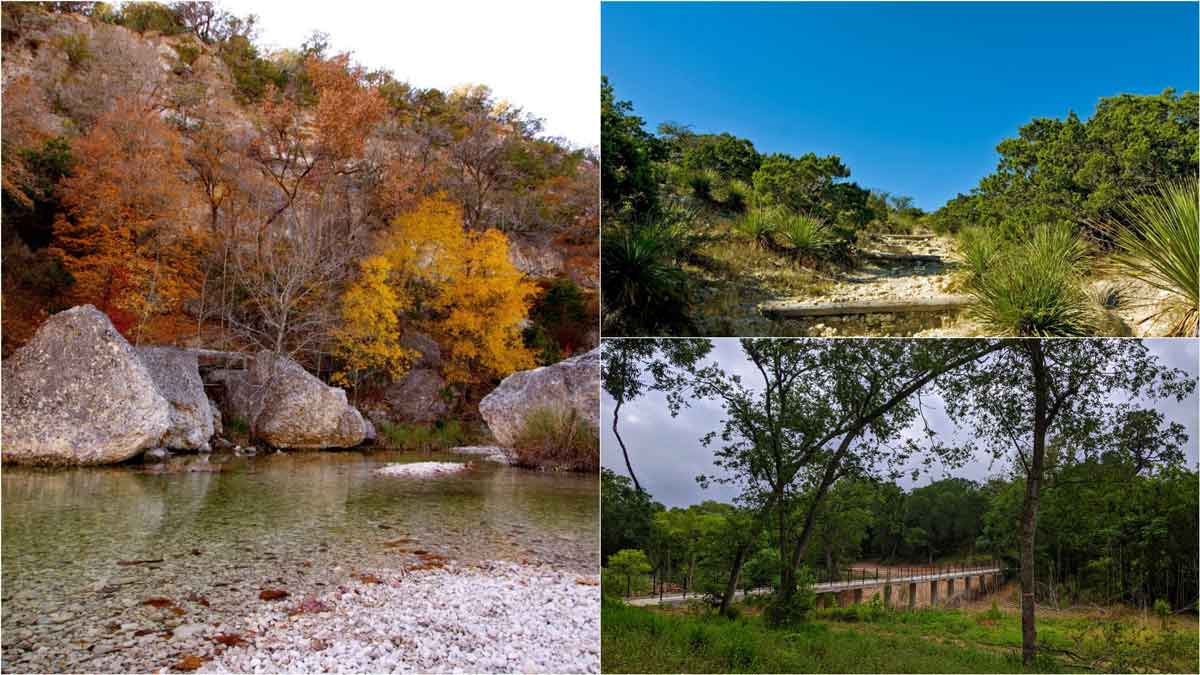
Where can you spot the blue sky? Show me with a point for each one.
(914, 97)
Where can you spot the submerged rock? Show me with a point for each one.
(176, 373)
(77, 393)
(574, 383)
(287, 407)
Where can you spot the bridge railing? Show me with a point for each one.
(863, 575)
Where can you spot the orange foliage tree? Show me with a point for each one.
(456, 285)
(124, 235)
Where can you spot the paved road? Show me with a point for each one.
(832, 586)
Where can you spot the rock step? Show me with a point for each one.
(792, 310)
(901, 257)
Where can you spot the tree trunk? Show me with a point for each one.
(628, 465)
(1029, 509)
(730, 588)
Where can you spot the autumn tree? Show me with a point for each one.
(122, 236)
(457, 286)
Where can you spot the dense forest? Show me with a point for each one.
(160, 165)
(1109, 531)
(1047, 243)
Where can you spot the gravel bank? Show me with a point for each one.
(497, 618)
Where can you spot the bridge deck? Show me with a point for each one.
(833, 586)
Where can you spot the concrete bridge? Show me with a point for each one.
(902, 587)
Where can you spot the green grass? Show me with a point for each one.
(558, 437)
(857, 640)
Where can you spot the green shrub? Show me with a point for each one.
(76, 47)
(424, 437)
(808, 237)
(1161, 246)
(645, 290)
(150, 16)
(558, 437)
(236, 425)
(559, 321)
(760, 223)
(187, 50)
(1030, 288)
(796, 610)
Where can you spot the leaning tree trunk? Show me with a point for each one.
(1029, 510)
(628, 465)
(739, 559)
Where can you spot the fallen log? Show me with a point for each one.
(792, 310)
(909, 237)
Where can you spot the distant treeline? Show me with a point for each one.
(1109, 531)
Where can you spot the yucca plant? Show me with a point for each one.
(808, 237)
(1160, 245)
(760, 223)
(645, 291)
(1033, 288)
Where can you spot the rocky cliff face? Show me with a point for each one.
(77, 393)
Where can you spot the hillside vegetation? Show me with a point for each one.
(160, 165)
(1084, 228)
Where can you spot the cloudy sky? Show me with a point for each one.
(543, 55)
(667, 454)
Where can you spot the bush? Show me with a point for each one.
(1161, 246)
(1031, 288)
(187, 50)
(558, 437)
(807, 236)
(150, 16)
(645, 291)
(759, 224)
(237, 425)
(425, 437)
(77, 49)
(559, 322)
(797, 609)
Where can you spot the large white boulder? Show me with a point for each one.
(79, 394)
(573, 383)
(176, 373)
(287, 407)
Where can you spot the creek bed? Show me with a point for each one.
(81, 546)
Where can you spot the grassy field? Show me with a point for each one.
(869, 639)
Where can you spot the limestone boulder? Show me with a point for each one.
(176, 373)
(417, 397)
(573, 383)
(77, 393)
(287, 407)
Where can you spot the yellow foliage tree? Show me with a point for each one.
(369, 336)
(457, 286)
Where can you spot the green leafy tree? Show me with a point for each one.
(1036, 394)
(629, 564)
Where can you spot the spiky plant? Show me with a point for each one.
(807, 236)
(1160, 245)
(760, 223)
(1032, 288)
(645, 291)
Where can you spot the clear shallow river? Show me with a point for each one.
(300, 522)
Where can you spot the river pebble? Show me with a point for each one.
(492, 618)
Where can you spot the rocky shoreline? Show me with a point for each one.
(496, 618)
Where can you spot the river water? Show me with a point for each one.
(75, 541)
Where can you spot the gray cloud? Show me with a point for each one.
(667, 454)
